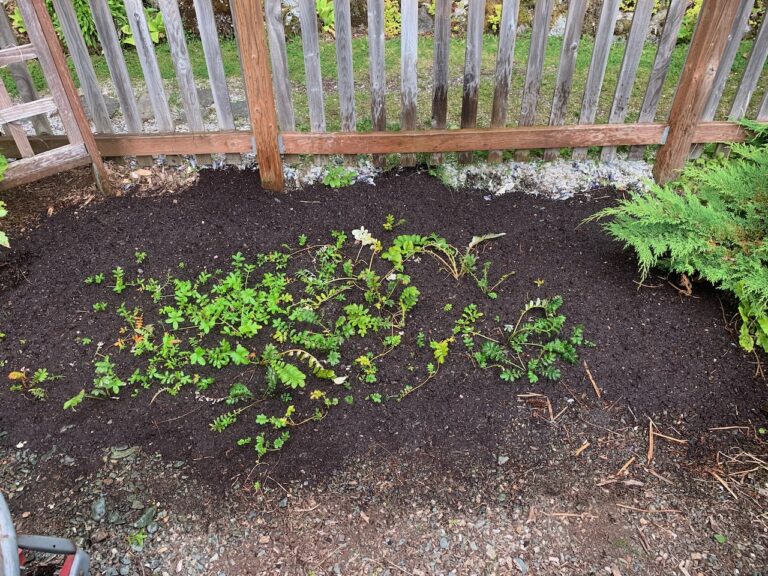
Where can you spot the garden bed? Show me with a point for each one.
(658, 353)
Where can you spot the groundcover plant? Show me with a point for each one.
(278, 340)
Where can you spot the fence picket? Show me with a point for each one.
(311, 49)
(377, 70)
(725, 66)
(762, 115)
(472, 62)
(183, 67)
(504, 59)
(661, 63)
(148, 61)
(409, 21)
(279, 57)
(344, 65)
(573, 26)
(752, 73)
(597, 67)
(20, 74)
(632, 54)
(94, 99)
(113, 54)
(440, 68)
(541, 18)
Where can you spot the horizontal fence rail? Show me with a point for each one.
(354, 89)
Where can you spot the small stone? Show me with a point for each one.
(99, 509)
(503, 460)
(521, 565)
(146, 518)
(444, 544)
(99, 535)
(283, 503)
(490, 551)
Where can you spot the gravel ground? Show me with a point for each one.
(603, 509)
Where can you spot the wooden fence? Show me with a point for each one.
(270, 90)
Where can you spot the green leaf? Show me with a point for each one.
(4, 240)
(74, 401)
(720, 538)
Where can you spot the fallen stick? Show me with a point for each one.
(644, 511)
(650, 440)
(724, 484)
(598, 392)
(659, 476)
(626, 465)
(581, 448)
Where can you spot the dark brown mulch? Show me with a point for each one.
(661, 353)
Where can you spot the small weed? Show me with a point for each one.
(99, 306)
(375, 397)
(339, 177)
(95, 279)
(137, 539)
(140, 257)
(390, 223)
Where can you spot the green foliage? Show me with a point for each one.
(712, 223)
(531, 348)
(339, 177)
(326, 15)
(392, 18)
(690, 19)
(88, 27)
(493, 20)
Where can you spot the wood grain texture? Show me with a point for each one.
(504, 60)
(311, 49)
(16, 131)
(707, 46)
(629, 64)
(409, 30)
(113, 54)
(532, 88)
(17, 54)
(252, 39)
(574, 24)
(472, 63)
(20, 74)
(278, 55)
(44, 164)
(94, 99)
(148, 60)
(377, 70)
(344, 65)
(661, 63)
(239, 141)
(214, 61)
(24, 110)
(54, 65)
(597, 67)
(762, 114)
(752, 73)
(440, 63)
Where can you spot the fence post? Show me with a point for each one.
(707, 47)
(252, 40)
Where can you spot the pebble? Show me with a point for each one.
(99, 509)
(444, 544)
(147, 517)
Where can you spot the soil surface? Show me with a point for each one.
(468, 475)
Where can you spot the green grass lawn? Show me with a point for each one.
(360, 59)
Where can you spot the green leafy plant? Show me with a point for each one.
(392, 18)
(326, 14)
(339, 177)
(711, 224)
(155, 25)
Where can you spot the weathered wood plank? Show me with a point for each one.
(16, 131)
(343, 20)
(279, 56)
(442, 47)
(762, 115)
(17, 54)
(597, 67)
(752, 72)
(532, 88)
(377, 70)
(504, 60)
(311, 48)
(215, 63)
(113, 54)
(632, 54)
(20, 74)
(725, 66)
(709, 42)
(148, 60)
(54, 65)
(44, 164)
(238, 141)
(574, 24)
(472, 62)
(661, 63)
(78, 51)
(409, 30)
(252, 39)
(27, 110)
